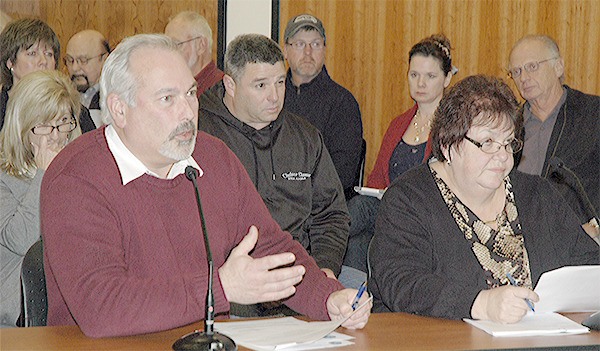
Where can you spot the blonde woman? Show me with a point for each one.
(40, 121)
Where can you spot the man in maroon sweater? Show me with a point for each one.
(133, 259)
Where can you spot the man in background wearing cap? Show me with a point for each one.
(194, 39)
(312, 94)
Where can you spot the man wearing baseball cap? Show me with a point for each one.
(312, 94)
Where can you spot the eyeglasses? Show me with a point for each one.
(529, 67)
(187, 41)
(300, 45)
(491, 147)
(82, 61)
(43, 129)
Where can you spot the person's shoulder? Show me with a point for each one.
(582, 100)
(81, 156)
(301, 124)
(529, 183)
(335, 88)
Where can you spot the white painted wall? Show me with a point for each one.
(248, 16)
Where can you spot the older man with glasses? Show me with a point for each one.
(86, 53)
(194, 39)
(561, 127)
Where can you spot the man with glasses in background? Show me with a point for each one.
(193, 36)
(561, 127)
(86, 53)
(312, 94)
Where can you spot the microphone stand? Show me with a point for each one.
(557, 164)
(207, 340)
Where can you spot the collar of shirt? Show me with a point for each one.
(527, 114)
(86, 97)
(132, 168)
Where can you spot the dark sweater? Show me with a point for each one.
(575, 140)
(132, 260)
(334, 111)
(292, 171)
(421, 262)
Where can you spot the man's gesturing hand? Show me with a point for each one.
(246, 280)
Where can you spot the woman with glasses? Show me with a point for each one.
(451, 234)
(29, 45)
(40, 121)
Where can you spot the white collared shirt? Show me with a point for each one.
(86, 97)
(132, 168)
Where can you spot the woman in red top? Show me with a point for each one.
(405, 142)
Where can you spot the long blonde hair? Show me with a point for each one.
(36, 99)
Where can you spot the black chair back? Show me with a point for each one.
(34, 300)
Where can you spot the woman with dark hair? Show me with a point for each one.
(29, 45)
(405, 142)
(40, 121)
(450, 233)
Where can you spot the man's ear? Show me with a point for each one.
(559, 67)
(117, 108)
(284, 46)
(9, 64)
(202, 45)
(229, 84)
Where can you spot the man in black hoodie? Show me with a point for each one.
(284, 154)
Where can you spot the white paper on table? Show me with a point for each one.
(287, 333)
(363, 190)
(532, 324)
(569, 289)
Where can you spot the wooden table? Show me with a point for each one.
(385, 331)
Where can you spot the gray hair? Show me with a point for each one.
(199, 25)
(549, 43)
(250, 48)
(116, 76)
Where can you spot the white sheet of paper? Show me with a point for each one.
(569, 289)
(363, 190)
(286, 333)
(532, 324)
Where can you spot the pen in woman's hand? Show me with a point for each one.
(359, 294)
(514, 283)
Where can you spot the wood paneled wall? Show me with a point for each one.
(368, 40)
(368, 43)
(115, 19)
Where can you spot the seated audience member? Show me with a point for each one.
(29, 45)
(40, 120)
(404, 144)
(194, 39)
(561, 125)
(284, 155)
(312, 94)
(449, 232)
(86, 53)
(133, 261)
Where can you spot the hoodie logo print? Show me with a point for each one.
(296, 175)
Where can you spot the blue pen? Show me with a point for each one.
(514, 283)
(359, 294)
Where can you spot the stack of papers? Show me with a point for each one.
(286, 333)
(532, 324)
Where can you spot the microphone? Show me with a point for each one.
(559, 167)
(208, 339)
